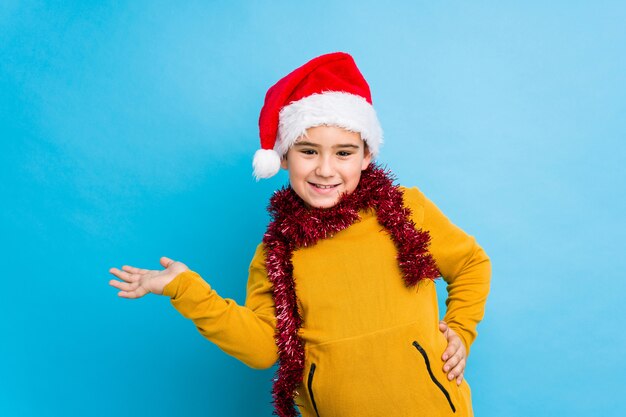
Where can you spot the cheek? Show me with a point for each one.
(297, 170)
(353, 177)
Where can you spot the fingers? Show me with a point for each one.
(132, 294)
(134, 270)
(130, 285)
(166, 262)
(125, 274)
(128, 289)
(459, 379)
(455, 365)
(452, 350)
(454, 356)
(176, 266)
(457, 372)
(124, 286)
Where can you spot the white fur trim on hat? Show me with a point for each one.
(332, 108)
(266, 163)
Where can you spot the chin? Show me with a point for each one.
(321, 202)
(326, 205)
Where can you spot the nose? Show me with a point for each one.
(324, 167)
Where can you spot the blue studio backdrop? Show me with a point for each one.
(127, 133)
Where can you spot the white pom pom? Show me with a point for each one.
(266, 163)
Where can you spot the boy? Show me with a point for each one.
(340, 291)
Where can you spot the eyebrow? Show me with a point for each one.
(315, 145)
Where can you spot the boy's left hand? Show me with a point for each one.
(454, 355)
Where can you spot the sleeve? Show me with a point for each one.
(463, 264)
(245, 332)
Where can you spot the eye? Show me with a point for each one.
(308, 151)
(344, 154)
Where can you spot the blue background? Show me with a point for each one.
(127, 132)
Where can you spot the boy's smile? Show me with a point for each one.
(326, 163)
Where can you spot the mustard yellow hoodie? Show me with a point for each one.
(372, 345)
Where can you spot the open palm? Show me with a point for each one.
(137, 282)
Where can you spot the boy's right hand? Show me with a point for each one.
(138, 282)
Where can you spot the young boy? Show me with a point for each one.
(341, 290)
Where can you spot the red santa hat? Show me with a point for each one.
(328, 90)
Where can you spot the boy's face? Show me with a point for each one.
(326, 164)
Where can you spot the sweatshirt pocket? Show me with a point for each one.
(310, 388)
(378, 374)
(443, 390)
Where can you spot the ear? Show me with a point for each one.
(367, 157)
(283, 162)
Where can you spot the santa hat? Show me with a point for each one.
(328, 90)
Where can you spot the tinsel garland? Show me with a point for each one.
(295, 225)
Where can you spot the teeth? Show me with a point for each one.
(324, 187)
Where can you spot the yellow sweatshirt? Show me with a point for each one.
(372, 345)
